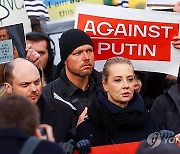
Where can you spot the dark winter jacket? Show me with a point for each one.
(166, 109)
(13, 139)
(66, 93)
(55, 114)
(109, 123)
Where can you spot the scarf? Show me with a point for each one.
(110, 118)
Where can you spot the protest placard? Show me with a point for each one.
(61, 9)
(6, 51)
(161, 1)
(143, 36)
(15, 33)
(13, 12)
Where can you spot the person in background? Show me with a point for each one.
(26, 81)
(76, 80)
(117, 114)
(146, 86)
(41, 43)
(139, 78)
(166, 108)
(169, 81)
(4, 35)
(19, 119)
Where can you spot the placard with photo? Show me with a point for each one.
(14, 33)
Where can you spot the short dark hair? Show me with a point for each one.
(8, 72)
(40, 36)
(18, 112)
(1, 28)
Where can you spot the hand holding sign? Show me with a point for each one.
(176, 42)
(177, 7)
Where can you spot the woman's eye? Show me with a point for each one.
(117, 80)
(132, 79)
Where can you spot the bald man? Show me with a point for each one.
(23, 78)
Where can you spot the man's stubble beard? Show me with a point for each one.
(80, 74)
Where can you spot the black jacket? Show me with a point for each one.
(12, 140)
(109, 123)
(59, 90)
(166, 109)
(55, 114)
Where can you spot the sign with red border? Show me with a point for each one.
(144, 40)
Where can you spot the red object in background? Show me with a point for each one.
(133, 39)
(125, 148)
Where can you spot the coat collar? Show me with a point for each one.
(135, 104)
(13, 132)
(70, 88)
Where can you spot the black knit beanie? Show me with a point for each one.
(70, 40)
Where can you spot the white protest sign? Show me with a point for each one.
(6, 51)
(13, 12)
(143, 36)
(162, 1)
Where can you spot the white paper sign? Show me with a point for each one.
(162, 1)
(143, 36)
(13, 12)
(6, 51)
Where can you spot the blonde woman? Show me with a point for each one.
(117, 114)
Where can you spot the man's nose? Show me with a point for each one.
(33, 87)
(1, 38)
(85, 56)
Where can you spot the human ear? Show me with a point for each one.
(8, 88)
(104, 84)
(37, 133)
(65, 62)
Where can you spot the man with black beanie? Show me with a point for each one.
(75, 84)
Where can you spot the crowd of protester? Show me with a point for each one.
(74, 105)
